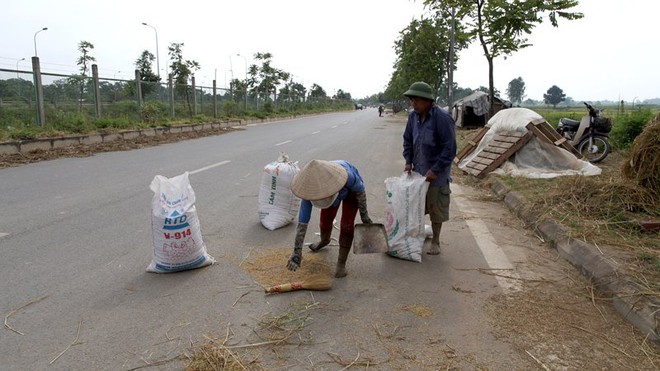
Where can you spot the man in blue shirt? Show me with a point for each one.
(429, 147)
(326, 185)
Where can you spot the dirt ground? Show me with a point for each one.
(557, 316)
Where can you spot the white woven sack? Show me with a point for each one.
(177, 237)
(406, 197)
(278, 206)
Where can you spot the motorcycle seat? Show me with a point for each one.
(570, 123)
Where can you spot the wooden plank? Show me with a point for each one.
(542, 130)
(496, 150)
(503, 146)
(505, 156)
(471, 145)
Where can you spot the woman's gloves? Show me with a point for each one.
(296, 258)
(362, 206)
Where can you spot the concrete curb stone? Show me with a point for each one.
(641, 311)
(24, 146)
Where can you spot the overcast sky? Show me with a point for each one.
(613, 53)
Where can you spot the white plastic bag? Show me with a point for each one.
(177, 237)
(278, 206)
(406, 232)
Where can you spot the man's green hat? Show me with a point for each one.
(421, 90)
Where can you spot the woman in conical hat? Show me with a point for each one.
(326, 185)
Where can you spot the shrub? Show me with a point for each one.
(627, 127)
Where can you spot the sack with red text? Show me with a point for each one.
(406, 200)
(177, 237)
(278, 206)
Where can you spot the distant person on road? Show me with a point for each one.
(380, 110)
(429, 147)
(326, 185)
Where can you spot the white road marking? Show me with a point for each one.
(334, 126)
(3, 234)
(209, 167)
(281, 143)
(495, 258)
(316, 132)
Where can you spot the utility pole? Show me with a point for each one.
(450, 76)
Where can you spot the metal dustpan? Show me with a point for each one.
(369, 239)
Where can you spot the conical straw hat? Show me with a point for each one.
(319, 179)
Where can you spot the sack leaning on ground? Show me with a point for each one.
(404, 221)
(177, 236)
(278, 206)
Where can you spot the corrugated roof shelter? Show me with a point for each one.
(472, 111)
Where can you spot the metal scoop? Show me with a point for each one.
(369, 239)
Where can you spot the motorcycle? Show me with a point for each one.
(589, 135)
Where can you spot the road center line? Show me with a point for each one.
(209, 167)
(495, 257)
(285, 142)
(316, 132)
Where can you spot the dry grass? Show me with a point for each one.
(268, 267)
(603, 210)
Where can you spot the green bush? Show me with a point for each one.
(23, 134)
(151, 112)
(77, 123)
(627, 127)
(117, 123)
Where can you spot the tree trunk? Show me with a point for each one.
(491, 88)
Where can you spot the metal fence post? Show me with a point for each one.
(39, 92)
(138, 89)
(97, 92)
(215, 101)
(194, 97)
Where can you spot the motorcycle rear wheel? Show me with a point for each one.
(594, 148)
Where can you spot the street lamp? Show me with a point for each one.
(245, 59)
(35, 39)
(22, 59)
(157, 54)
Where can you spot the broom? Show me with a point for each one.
(314, 283)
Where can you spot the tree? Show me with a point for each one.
(147, 75)
(342, 95)
(422, 51)
(516, 90)
(265, 79)
(85, 58)
(181, 70)
(554, 96)
(501, 26)
(317, 92)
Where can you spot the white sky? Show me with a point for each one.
(613, 53)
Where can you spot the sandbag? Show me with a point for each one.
(278, 206)
(177, 236)
(406, 232)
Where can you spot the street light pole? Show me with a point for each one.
(245, 59)
(35, 40)
(157, 54)
(22, 59)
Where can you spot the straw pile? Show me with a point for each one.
(643, 163)
(268, 267)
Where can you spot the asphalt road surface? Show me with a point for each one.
(75, 239)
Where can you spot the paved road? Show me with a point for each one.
(76, 239)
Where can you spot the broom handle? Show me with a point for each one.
(286, 287)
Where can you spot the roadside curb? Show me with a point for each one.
(24, 146)
(641, 311)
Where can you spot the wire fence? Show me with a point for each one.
(70, 98)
